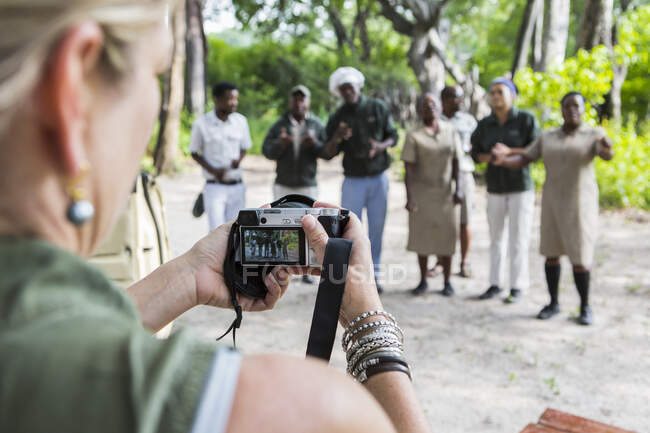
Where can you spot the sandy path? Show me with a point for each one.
(478, 366)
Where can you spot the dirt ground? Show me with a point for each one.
(478, 366)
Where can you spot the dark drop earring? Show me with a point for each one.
(80, 210)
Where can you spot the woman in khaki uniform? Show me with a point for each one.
(430, 156)
(570, 198)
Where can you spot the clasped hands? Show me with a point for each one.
(498, 153)
(309, 140)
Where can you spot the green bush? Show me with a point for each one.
(624, 181)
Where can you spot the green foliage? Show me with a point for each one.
(267, 70)
(632, 50)
(625, 180)
(185, 134)
(485, 32)
(589, 72)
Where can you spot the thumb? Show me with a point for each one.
(316, 236)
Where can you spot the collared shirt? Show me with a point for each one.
(296, 165)
(465, 124)
(221, 142)
(74, 356)
(369, 118)
(297, 131)
(519, 130)
(433, 155)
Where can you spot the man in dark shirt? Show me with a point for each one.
(361, 128)
(295, 142)
(511, 193)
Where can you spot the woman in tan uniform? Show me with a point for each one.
(430, 156)
(570, 197)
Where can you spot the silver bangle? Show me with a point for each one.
(354, 370)
(365, 327)
(365, 315)
(369, 348)
(379, 334)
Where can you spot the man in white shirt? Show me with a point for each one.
(452, 100)
(219, 142)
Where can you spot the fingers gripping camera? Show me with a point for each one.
(275, 236)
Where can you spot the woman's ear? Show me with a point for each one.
(64, 91)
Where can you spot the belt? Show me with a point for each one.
(224, 182)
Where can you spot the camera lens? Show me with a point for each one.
(263, 220)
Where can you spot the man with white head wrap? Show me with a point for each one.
(361, 128)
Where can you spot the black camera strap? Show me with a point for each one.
(328, 299)
(330, 288)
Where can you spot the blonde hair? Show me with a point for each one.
(29, 30)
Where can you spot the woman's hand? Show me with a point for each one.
(360, 293)
(411, 206)
(206, 259)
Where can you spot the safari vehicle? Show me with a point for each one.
(139, 242)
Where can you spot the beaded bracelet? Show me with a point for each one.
(365, 327)
(379, 334)
(365, 315)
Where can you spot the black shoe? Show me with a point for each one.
(490, 293)
(514, 296)
(448, 290)
(585, 317)
(549, 311)
(307, 279)
(420, 289)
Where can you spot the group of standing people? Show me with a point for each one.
(439, 156)
(361, 128)
(439, 176)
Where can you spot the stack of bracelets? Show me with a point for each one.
(374, 347)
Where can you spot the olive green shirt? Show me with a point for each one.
(75, 358)
(294, 170)
(369, 118)
(519, 130)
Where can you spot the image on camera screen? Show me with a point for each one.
(271, 246)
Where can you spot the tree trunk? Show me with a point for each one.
(340, 31)
(536, 60)
(429, 69)
(162, 116)
(195, 46)
(167, 150)
(360, 22)
(525, 34)
(556, 32)
(596, 24)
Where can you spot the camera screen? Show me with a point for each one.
(272, 246)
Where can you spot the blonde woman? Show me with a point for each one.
(78, 99)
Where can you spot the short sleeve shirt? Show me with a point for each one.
(369, 118)
(519, 130)
(465, 124)
(75, 358)
(433, 154)
(568, 159)
(221, 142)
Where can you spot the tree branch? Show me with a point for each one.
(400, 24)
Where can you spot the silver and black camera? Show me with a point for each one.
(274, 236)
